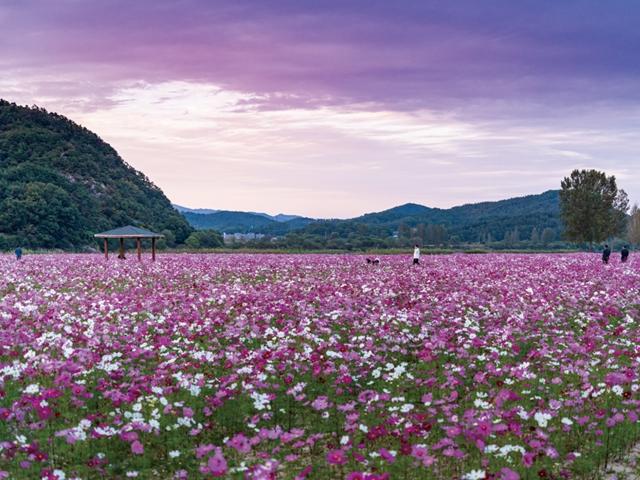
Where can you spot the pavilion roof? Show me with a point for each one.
(128, 232)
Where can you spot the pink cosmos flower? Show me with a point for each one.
(508, 474)
(216, 465)
(483, 429)
(203, 450)
(137, 448)
(355, 476)
(304, 473)
(240, 443)
(336, 457)
(528, 458)
(385, 454)
(129, 436)
(320, 403)
(421, 453)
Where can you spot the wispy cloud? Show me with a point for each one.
(335, 108)
(193, 141)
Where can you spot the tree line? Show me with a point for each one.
(592, 209)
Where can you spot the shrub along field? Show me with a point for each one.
(319, 366)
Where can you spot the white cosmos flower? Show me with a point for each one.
(475, 475)
(542, 419)
(32, 389)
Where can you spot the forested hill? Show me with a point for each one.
(542, 210)
(246, 222)
(510, 220)
(522, 218)
(60, 184)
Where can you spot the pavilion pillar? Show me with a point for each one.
(139, 249)
(106, 249)
(153, 249)
(121, 248)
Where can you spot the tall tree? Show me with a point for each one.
(592, 207)
(548, 236)
(535, 236)
(403, 230)
(508, 237)
(421, 232)
(442, 234)
(633, 232)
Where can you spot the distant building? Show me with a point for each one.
(241, 237)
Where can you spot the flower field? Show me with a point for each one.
(317, 366)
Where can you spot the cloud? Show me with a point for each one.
(193, 141)
(402, 55)
(334, 108)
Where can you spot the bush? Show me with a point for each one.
(204, 239)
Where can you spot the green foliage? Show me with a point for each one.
(400, 226)
(508, 220)
(168, 241)
(507, 224)
(204, 239)
(535, 236)
(60, 183)
(633, 232)
(548, 236)
(43, 214)
(230, 222)
(244, 222)
(593, 209)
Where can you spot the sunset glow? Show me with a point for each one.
(334, 109)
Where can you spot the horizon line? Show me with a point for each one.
(255, 212)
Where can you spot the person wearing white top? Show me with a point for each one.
(416, 255)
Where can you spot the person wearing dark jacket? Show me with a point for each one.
(624, 254)
(606, 253)
(18, 253)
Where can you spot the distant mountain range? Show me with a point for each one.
(281, 217)
(243, 222)
(469, 222)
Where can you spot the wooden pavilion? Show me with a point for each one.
(130, 232)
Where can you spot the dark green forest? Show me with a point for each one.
(532, 221)
(60, 184)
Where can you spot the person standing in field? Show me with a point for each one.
(606, 253)
(624, 254)
(416, 255)
(18, 253)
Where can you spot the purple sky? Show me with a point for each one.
(335, 108)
